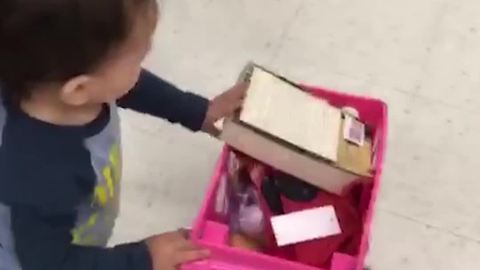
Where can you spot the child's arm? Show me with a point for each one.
(43, 241)
(43, 188)
(156, 97)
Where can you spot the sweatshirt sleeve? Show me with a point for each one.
(43, 241)
(155, 96)
(42, 189)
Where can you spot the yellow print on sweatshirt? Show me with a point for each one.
(104, 193)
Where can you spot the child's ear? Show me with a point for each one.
(76, 91)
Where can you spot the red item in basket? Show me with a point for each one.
(319, 252)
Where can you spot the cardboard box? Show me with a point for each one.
(298, 133)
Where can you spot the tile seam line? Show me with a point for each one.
(429, 225)
(286, 30)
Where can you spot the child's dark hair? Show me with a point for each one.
(53, 40)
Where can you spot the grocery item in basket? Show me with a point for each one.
(281, 184)
(309, 224)
(239, 240)
(246, 217)
(293, 131)
(319, 252)
(250, 217)
(294, 188)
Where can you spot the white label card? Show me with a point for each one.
(305, 225)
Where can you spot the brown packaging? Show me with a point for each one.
(297, 133)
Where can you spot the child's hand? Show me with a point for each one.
(222, 106)
(170, 250)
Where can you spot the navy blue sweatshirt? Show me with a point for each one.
(59, 185)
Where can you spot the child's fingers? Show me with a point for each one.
(241, 91)
(189, 246)
(238, 93)
(212, 130)
(190, 256)
(184, 232)
(185, 244)
(215, 132)
(237, 104)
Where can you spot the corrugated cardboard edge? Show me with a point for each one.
(247, 72)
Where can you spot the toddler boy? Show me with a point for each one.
(65, 66)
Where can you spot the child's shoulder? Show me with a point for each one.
(37, 178)
(39, 166)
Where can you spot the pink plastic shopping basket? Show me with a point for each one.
(212, 232)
